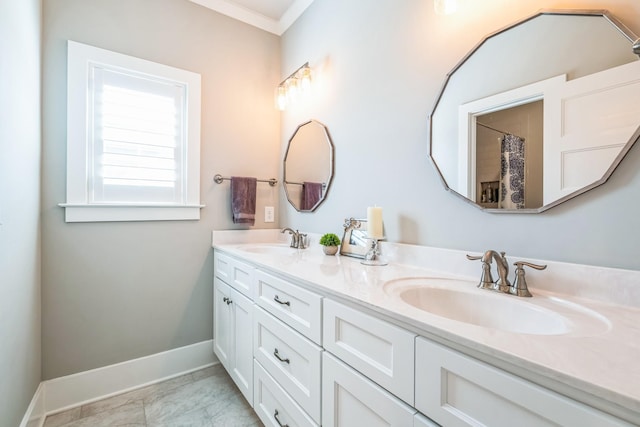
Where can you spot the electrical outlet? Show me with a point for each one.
(269, 215)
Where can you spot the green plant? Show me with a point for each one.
(330, 239)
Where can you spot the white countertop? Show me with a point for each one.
(596, 363)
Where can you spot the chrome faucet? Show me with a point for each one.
(519, 287)
(298, 240)
(502, 284)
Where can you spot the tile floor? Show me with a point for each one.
(203, 398)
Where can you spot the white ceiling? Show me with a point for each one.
(274, 16)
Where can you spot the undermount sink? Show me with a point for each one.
(269, 248)
(463, 302)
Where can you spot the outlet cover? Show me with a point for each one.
(269, 214)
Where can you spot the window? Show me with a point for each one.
(133, 138)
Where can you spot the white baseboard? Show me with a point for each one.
(34, 417)
(78, 389)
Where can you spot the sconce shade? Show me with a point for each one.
(445, 7)
(281, 98)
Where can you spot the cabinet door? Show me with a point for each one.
(233, 335)
(222, 326)
(349, 399)
(380, 350)
(458, 391)
(242, 319)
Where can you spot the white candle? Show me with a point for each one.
(374, 222)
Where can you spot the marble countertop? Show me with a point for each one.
(595, 362)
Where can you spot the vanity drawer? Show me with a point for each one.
(233, 272)
(292, 304)
(292, 360)
(273, 405)
(350, 399)
(378, 349)
(457, 390)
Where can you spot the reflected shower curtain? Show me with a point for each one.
(512, 172)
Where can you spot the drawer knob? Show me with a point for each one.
(277, 355)
(275, 415)
(227, 300)
(279, 301)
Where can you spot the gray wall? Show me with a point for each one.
(19, 207)
(380, 66)
(117, 291)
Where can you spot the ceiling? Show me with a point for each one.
(274, 16)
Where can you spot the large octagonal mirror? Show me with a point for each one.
(308, 166)
(538, 112)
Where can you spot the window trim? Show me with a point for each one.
(78, 207)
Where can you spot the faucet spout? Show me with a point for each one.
(295, 237)
(502, 284)
(298, 240)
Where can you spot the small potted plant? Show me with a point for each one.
(330, 243)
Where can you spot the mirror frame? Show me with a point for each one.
(627, 33)
(331, 166)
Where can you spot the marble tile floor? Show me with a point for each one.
(202, 398)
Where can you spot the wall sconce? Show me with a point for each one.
(445, 7)
(293, 86)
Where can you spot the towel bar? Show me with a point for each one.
(324, 184)
(219, 178)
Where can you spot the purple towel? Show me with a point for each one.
(243, 200)
(311, 195)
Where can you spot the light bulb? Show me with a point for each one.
(445, 7)
(293, 88)
(305, 79)
(281, 98)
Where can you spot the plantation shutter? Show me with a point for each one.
(137, 138)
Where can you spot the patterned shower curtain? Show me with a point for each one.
(512, 172)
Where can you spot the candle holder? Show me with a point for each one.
(373, 255)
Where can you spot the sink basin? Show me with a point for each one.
(463, 302)
(269, 248)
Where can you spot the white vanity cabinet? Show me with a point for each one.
(456, 390)
(302, 359)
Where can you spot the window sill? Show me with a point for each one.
(108, 213)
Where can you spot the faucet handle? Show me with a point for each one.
(520, 264)
(486, 280)
(519, 286)
(303, 241)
